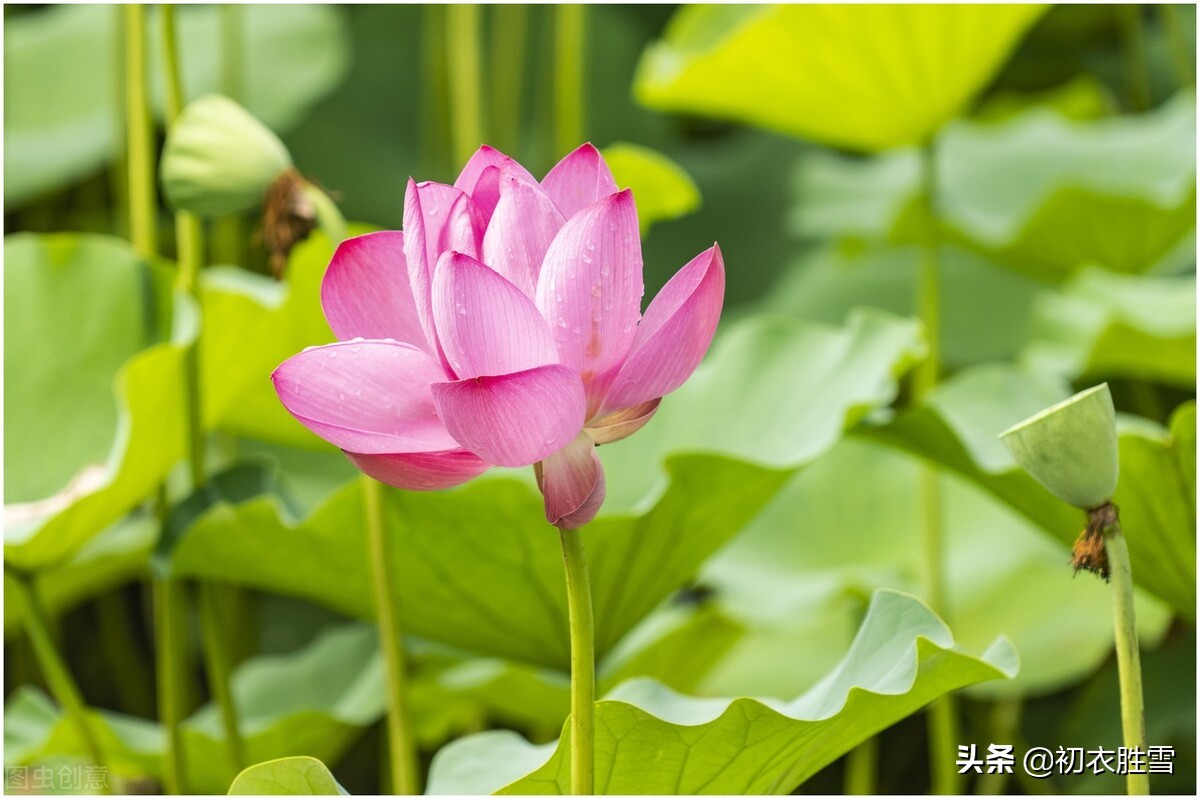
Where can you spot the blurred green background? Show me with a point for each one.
(1067, 188)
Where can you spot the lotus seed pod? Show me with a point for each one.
(218, 159)
(1071, 448)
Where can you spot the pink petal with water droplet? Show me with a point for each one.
(579, 180)
(365, 396)
(487, 325)
(523, 225)
(514, 419)
(674, 334)
(590, 289)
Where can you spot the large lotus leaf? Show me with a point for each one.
(852, 522)
(1038, 193)
(827, 281)
(93, 389)
(662, 189)
(117, 556)
(650, 740)
(477, 566)
(62, 66)
(1104, 325)
(313, 702)
(958, 426)
(861, 77)
(287, 776)
(676, 646)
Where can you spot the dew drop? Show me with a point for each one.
(575, 330)
(562, 322)
(587, 259)
(591, 245)
(358, 392)
(333, 353)
(606, 270)
(596, 290)
(462, 309)
(341, 396)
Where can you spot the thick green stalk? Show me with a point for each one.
(1129, 662)
(189, 236)
(54, 667)
(464, 45)
(510, 25)
(583, 664)
(170, 630)
(129, 673)
(1003, 724)
(942, 716)
(232, 50)
(217, 660)
(139, 134)
(435, 89)
(861, 766)
(569, 60)
(401, 745)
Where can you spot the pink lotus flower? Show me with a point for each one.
(501, 327)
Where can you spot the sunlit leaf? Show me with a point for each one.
(662, 189)
(287, 776)
(958, 428)
(1037, 193)
(652, 740)
(852, 522)
(861, 77)
(1104, 325)
(93, 389)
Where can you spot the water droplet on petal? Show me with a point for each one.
(333, 353)
(606, 270)
(358, 392)
(462, 309)
(562, 322)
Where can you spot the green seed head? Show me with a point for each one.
(219, 159)
(1071, 448)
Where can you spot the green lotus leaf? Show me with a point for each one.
(860, 77)
(92, 408)
(1036, 193)
(1104, 325)
(287, 776)
(800, 575)
(958, 426)
(650, 739)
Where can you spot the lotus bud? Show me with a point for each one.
(1071, 448)
(219, 159)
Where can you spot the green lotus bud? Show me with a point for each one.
(219, 159)
(1071, 448)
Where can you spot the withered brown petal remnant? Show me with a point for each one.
(1089, 552)
(288, 217)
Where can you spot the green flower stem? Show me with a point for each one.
(861, 765)
(233, 33)
(464, 44)
(942, 715)
(1181, 56)
(1003, 724)
(401, 745)
(435, 89)
(170, 624)
(54, 667)
(217, 664)
(129, 674)
(510, 24)
(1129, 662)
(139, 133)
(569, 60)
(189, 235)
(583, 664)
